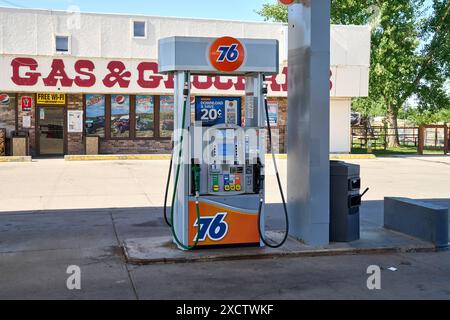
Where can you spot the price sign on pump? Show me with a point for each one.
(227, 54)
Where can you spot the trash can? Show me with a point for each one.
(345, 201)
(20, 145)
(92, 145)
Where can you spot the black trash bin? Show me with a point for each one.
(345, 201)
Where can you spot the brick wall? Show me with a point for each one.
(75, 141)
(135, 146)
(280, 132)
(31, 131)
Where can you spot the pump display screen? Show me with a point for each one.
(226, 150)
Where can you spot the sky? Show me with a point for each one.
(213, 9)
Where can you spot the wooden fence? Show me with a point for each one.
(426, 137)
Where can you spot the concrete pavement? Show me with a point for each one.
(55, 184)
(37, 248)
(56, 214)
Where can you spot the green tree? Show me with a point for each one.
(410, 53)
(342, 11)
(419, 117)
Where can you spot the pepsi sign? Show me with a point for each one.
(4, 99)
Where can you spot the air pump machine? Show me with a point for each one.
(219, 171)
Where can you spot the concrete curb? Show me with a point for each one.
(167, 157)
(258, 256)
(116, 157)
(352, 156)
(16, 159)
(162, 250)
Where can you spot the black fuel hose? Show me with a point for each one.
(166, 195)
(261, 202)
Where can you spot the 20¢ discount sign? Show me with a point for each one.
(227, 54)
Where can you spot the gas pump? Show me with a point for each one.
(219, 166)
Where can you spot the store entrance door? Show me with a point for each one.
(51, 131)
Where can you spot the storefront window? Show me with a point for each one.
(145, 117)
(120, 116)
(7, 112)
(166, 116)
(95, 115)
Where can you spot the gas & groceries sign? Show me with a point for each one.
(72, 75)
(103, 76)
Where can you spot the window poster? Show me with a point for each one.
(273, 113)
(75, 121)
(120, 116)
(95, 115)
(145, 124)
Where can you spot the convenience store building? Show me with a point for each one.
(68, 77)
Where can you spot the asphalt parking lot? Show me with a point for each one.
(54, 214)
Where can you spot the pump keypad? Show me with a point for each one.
(227, 179)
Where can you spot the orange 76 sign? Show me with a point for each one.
(286, 2)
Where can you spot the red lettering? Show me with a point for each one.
(58, 73)
(31, 78)
(223, 85)
(202, 85)
(274, 86)
(240, 84)
(153, 81)
(117, 75)
(85, 68)
(285, 85)
(24, 73)
(169, 83)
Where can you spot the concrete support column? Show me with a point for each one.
(181, 210)
(309, 121)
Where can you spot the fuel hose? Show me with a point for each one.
(280, 187)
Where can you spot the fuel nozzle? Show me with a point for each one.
(260, 166)
(196, 177)
(258, 176)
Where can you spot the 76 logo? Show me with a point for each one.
(215, 227)
(229, 53)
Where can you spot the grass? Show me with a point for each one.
(402, 150)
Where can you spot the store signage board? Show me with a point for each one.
(350, 60)
(58, 99)
(27, 103)
(4, 100)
